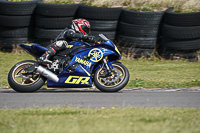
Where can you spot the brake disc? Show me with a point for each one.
(113, 78)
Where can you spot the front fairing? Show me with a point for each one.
(110, 45)
(105, 47)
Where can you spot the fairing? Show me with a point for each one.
(86, 60)
(34, 49)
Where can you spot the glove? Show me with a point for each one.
(85, 37)
(91, 38)
(88, 38)
(42, 60)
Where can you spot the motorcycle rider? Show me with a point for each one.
(80, 29)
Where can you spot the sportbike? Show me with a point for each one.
(81, 65)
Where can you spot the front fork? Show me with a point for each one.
(107, 66)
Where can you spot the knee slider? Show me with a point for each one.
(61, 44)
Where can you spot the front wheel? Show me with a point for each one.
(113, 83)
(23, 82)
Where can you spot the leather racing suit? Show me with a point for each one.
(61, 42)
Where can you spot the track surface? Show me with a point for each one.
(96, 99)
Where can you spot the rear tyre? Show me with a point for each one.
(22, 82)
(114, 83)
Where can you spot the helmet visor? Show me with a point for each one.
(86, 29)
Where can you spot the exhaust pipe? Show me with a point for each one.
(48, 74)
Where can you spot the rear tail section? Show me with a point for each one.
(33, 49)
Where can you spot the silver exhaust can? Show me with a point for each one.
(48, 74)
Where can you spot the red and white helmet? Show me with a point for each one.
(81, 25)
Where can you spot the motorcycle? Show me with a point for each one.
(79, 66)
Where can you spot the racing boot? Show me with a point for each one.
(44, 59)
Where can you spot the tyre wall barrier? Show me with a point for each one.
(51, 19)
(103, 20)
(138, 33)
(15, 23)
(180, 35)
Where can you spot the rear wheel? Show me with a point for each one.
(113, 83)
(23, 82)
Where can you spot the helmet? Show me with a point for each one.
(81, 25)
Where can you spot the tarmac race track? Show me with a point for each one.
(97, 99)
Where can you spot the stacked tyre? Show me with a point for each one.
(102, 20)
(15, 23)
(138, 32)
(51, 19)
(180, 35)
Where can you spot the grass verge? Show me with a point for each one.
(127, 120)
(143, 73)
(162, 74)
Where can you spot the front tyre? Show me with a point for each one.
(113, 83)
(23, 82)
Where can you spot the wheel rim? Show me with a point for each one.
(115, 79)
(22, 78)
